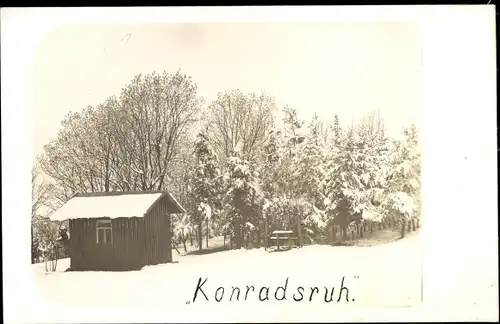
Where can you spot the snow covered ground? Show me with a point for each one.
(387, 275)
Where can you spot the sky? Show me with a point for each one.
(350, 69)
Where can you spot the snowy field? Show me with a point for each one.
(387, 275)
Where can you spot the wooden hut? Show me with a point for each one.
(119, 230)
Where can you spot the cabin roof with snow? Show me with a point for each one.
(114, 205)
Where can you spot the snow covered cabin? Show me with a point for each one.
(119, 230)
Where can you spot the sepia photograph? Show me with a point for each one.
(176, 146)
(216, 166)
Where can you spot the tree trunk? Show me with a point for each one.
(379, 226)
(174, 245)
(418, 222)
(409, 226)
(343, 233)
(299, 233)
(237, 234)
(33, 254)
(334, 235)
(191, 239)
(258, 238)
(371, 228)
(266, 234)
(184, 245)
(413, 224)
(352, 235)
(403, 227)
(224, 240)
(200, 235)
(208, 232)
(361, 230)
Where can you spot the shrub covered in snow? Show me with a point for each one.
(52, 241)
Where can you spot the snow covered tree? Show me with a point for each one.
(403, 195)
(128, 143)
(242, 199)
(336, 130)
(353, 187)
(293, 173)
(340, 187)
(375, 148)
(204, 183)
(52, 238)
(308, 165)
(63, 239)
(238, 118)
(182, 229)
(42, 204)
(276, 172)
(304, 167)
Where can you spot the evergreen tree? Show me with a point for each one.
(403, 182)
(353, 179)
(204, 184)
(308, 165)
(336, 130)
(242, 196)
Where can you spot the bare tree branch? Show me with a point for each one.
(235, 118)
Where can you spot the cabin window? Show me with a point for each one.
(104, 231)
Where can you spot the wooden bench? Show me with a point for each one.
(283, 235)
